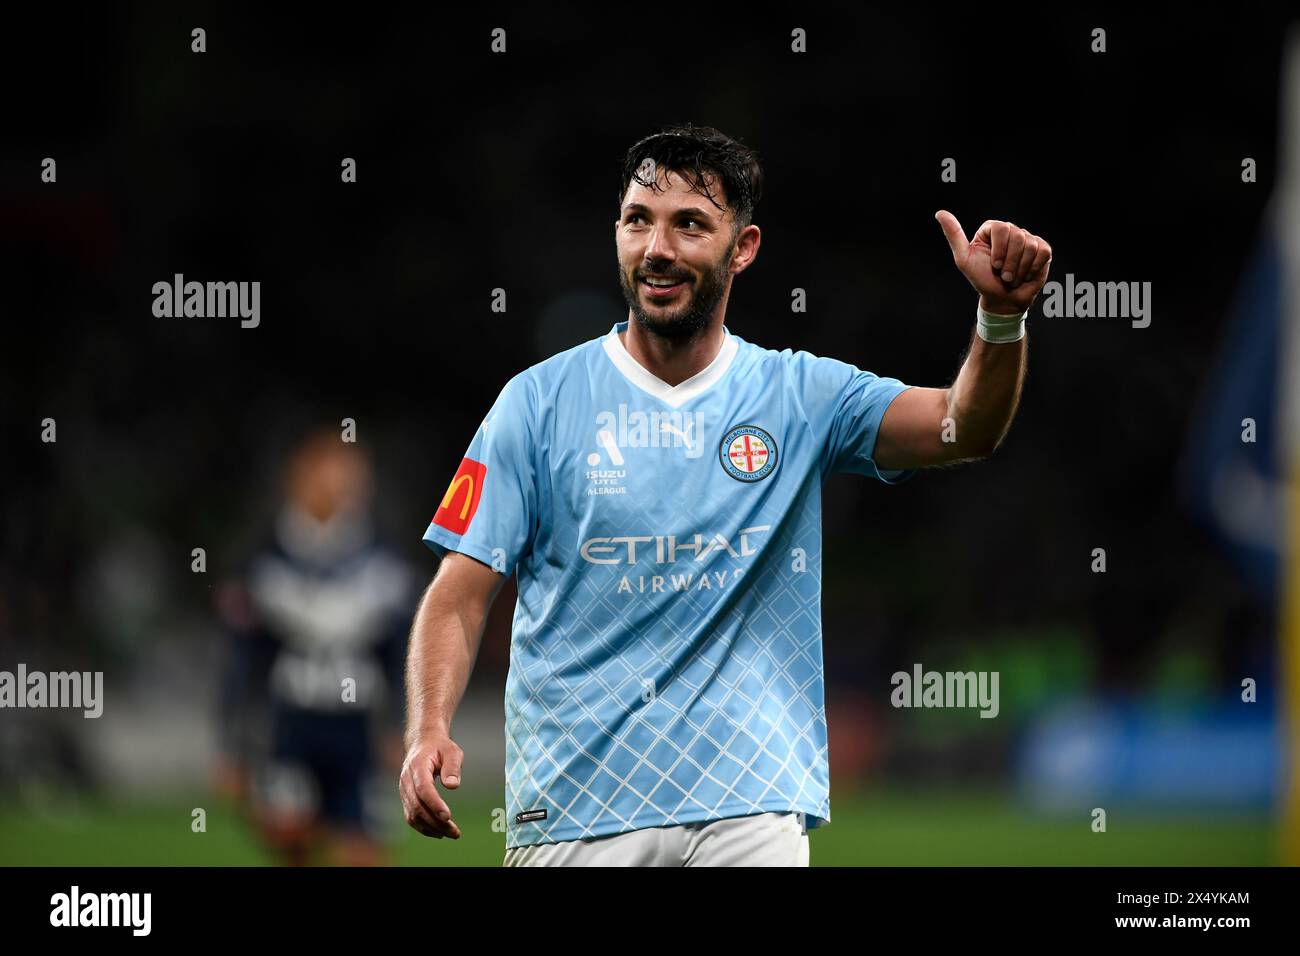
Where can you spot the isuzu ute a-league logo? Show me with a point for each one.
(606, 481)
(748, 453)
(628, 428)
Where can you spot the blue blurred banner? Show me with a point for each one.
(1231, 470)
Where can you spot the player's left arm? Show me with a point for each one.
(1007, 266)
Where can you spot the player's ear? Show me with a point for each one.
(747, 243)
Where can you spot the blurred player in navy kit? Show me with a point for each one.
(317, 645)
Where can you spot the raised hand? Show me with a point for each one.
(1005, 264)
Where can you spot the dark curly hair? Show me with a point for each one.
(691, 151)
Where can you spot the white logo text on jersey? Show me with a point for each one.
(666, 546)
(670, 549)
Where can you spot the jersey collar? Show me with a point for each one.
(673, 395)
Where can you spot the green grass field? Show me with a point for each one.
(896, 828)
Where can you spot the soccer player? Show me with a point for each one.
(316, 649)
(657, 490)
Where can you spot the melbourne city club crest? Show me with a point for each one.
(748, 453)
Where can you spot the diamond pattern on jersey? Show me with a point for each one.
(732, 725)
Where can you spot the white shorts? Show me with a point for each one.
(764, 839)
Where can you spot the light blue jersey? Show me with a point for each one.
(666, 658)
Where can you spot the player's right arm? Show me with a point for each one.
(482, 529)
(444, 643)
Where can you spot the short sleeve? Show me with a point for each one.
(846, 405)
(489, 509)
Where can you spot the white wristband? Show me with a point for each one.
(999, 328)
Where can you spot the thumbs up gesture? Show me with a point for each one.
(1007, 265)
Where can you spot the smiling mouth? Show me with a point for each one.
(657, 287)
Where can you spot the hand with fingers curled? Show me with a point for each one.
(431, 759)
(1006, 265)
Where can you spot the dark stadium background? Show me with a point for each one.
(478, 171)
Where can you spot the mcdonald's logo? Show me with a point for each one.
(461, 500)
